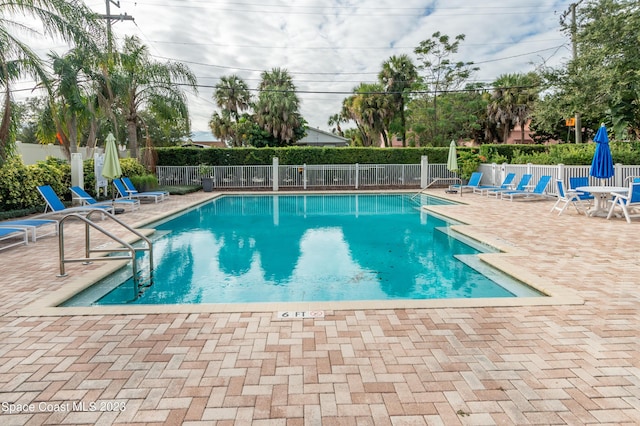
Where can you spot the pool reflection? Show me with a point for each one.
(309, 248)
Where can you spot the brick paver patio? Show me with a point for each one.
(560, 363)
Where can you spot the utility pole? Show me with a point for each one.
(109, 17)
(578, 124)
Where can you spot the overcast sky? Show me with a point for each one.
(330, 46)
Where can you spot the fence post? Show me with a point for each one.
(304, 176)
(276, 168)
(357, 174)
(560, 172)
(424, 171)
(494, 170)
(619, 181)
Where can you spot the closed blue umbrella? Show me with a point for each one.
(602, 163)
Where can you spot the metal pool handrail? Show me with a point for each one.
(88, 250)
(437, 180)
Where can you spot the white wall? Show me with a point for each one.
(32, 153)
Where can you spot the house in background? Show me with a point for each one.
(317, 137)
(204, 139)
(515, 136)
(314, 137)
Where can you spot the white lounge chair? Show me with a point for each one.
(474, 182)
(124, 193)
(56, 207)
(86, 199)
(9, 233)
(522, 185)
(34, 226)
(537, 192)
(506, 185)
(133, 191)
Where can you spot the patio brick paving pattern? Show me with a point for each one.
(546, 364)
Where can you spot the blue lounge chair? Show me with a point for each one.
(506, 184)
(86, 199)
(626, 201)
(123, 192)
(32, 225)
(55, 206)
(8, 233)
(132, 189)
(568, 197)
(522, 185)
(474, 182)
(537, 192)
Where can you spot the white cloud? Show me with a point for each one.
(332, 45)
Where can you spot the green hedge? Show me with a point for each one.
(622, 152)
(296, 155)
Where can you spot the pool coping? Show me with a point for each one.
(555, 294)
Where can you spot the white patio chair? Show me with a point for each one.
(568, 197)
(628, 202)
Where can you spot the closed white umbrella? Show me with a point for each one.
(452, 160)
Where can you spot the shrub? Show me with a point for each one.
(145, 182)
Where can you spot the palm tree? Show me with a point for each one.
(232, 94)
(70, 20)
(398, 75)
(70, 96)
(370, 108)
(139, 82)
(512, 101)
(276, 109)
(335, 120)
(221, 126)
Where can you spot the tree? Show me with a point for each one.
(71, 20)
(461, 115)
(398, 75)
(276, 109)
(232, 95)
(512, 101)
(222, 127)
(602, 82)
(70, 95)
(442, 74)
(370, 108)
(140, 82)
(335, 120)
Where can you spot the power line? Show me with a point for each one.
(338, 92)
(253, 46)
(344, 73)
(384, 12)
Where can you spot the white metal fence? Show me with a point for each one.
(312, 176)
(357, 176)
(494, 174)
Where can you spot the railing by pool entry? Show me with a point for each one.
(123, 247)
(309, 176)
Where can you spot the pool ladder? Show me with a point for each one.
(125, 247)
(439, 180)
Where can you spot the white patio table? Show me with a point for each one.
(600, 195)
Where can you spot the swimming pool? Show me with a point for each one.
(284, 248)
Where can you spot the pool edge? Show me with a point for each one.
(555, 294)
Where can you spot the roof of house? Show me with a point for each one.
(317, 137)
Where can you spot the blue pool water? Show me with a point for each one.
(265, 248)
